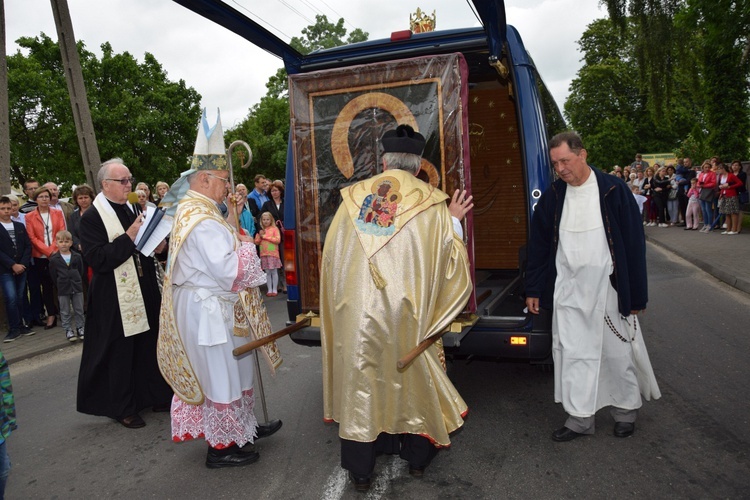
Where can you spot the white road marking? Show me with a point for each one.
(335, 484)
(338, 481)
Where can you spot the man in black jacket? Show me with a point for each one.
(15, 257)
(587, 262)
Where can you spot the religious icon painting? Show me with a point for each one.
(378, 212)
(338, 118)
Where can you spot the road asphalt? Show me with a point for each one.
(722, 256)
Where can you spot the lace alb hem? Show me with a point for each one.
(249, 272)
(219, 423)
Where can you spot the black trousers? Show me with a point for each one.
(48, 286)
(359, 458)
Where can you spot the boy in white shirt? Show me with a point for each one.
(639, 198)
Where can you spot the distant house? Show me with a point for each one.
(660, 158)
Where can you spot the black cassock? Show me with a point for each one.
(119, 376)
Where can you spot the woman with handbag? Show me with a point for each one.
(707, 185)
(729, 204)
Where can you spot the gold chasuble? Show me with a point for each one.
(250, 315)
(393, 273)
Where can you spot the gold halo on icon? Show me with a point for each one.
(342, 156)
(429, 169)
(395, 185)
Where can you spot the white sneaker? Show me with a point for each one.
(71, 336)
(644, 223)
(663, 225)
(731, 232)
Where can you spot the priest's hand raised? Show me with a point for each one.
(460, 204)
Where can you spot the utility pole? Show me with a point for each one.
(4, 115)
(77, 91)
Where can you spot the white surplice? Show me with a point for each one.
(203, 277)
(593, 366)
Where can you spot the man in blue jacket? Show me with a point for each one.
(15, 257)
(587, 262)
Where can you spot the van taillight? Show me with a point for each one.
(290, 258)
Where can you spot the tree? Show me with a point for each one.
(670, 32)
(605, 104)
(325, 35)
(266, 128)
(139, 115)
(610, 99)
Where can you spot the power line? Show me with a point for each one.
(252, 14)
(285, 4)
(339, 15)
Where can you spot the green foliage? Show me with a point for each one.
(266, 127)
(673, 71)
(138, 114)
(722, 28)
(612, 143)
(552, 116)
(694, 146)
(325, 35)
(266, 130)
(692, 58)
(605, 104)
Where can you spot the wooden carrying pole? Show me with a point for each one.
(421, 347)
(239, 351)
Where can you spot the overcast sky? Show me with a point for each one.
(230, 73)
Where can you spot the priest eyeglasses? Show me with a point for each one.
(124, 181)
(222, 179)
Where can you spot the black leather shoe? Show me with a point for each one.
(564, 434)
(265, 430)
(132, 422)
(416, 471)
(624, 429)
(216, 460)
(361, 483)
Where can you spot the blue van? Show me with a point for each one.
(476, 96)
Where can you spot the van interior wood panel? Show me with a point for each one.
(500, 221)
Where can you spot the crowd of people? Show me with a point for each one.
(78, 263)
(45, 276)
(703, 198)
